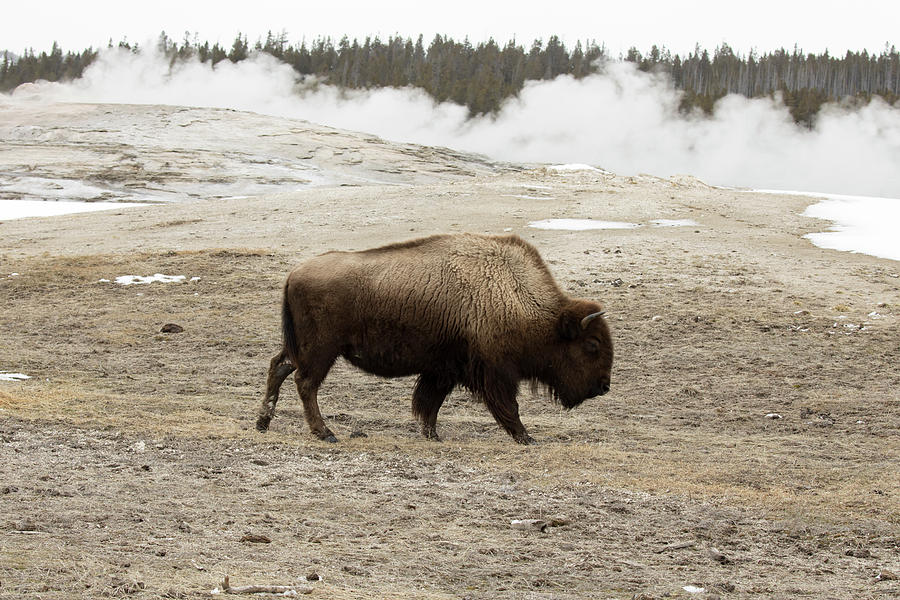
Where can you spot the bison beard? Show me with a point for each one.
(479, 311)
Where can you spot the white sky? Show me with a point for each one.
(761, 24)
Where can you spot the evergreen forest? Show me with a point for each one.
(482, 76)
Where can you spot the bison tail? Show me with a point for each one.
(288, 331)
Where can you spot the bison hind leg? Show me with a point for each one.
(308, 378)
(279, 369)
(428, 397)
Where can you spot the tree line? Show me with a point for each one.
(483, 75)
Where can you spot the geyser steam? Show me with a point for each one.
(622, 120)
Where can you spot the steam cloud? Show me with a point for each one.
(622, 120)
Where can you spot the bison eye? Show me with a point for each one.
(592, 346)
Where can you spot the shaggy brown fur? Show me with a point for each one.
(473, 310)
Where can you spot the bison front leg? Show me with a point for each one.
(279, 369)
(429, 395)
(500, 398)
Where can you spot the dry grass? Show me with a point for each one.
(140, 447)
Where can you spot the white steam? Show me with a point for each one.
(622, 120)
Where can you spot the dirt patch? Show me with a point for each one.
(748, 446)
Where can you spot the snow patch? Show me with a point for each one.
(580, 224)
(673, 223)
(693, 589)
(140, 279)
(573, 168)
(21, 209)
(4, 376)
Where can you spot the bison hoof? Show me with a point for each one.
(327, 437)
(262, 424)
(431, 434)
(524, 439)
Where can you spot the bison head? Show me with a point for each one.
(583, 361)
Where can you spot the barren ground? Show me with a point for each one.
(129, 465)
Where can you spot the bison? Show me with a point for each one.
(474, 310)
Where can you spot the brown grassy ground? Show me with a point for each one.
(129, 465)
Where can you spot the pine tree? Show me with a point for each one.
(481, 77)
(240, 50)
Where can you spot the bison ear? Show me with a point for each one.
(569, 326)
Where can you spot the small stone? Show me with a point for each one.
(725, 586)
(25, 525)
(313, 577)
(171, 328)
(773, 416)
(858, 553)
(886, 575)
(675, 546)
(656, 318)
(252, 538)
(716, 555)
(357, 434)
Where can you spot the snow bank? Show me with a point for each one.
(863, 224)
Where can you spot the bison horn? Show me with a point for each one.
(587, 320)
